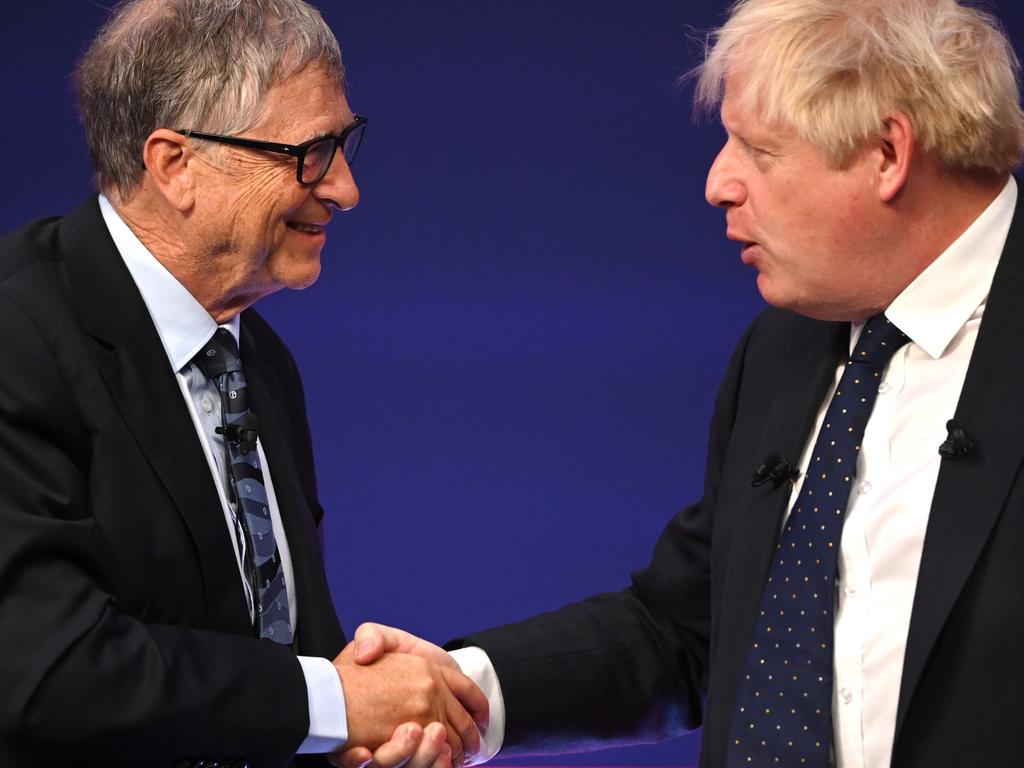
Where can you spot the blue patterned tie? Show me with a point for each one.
(784, 705)
(220, 362)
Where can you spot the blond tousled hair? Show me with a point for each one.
(833, 69)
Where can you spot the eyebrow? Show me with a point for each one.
(317, 137)
(326, 134)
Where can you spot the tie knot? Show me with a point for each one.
(878, 342)
(219, 356)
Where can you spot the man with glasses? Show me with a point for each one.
(313, 158)
(162, 587)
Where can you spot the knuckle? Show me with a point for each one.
(421, 708)
(429, 687)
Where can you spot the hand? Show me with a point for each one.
(410, 746)
(402, 688)
(372, 641)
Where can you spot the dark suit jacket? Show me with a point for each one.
(124, 634)
(666, 654)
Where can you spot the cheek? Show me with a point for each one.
(813, 222)
(283, 206)
(853, 227)
(268, 197)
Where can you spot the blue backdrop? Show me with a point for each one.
(512, 352)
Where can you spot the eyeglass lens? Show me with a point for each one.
(319, 155)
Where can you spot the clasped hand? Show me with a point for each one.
(389, 677)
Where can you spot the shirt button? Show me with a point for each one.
(846, 695)
(865, 487)
(207, 405)
(884, 387)
(849, 590)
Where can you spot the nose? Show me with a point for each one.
(338, 186)
(723, 188)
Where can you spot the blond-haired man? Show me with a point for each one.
(857, 603)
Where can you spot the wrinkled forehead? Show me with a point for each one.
(314, 94)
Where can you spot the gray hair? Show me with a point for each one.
(205, 65)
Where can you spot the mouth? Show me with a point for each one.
(307, 228)
(748, 248)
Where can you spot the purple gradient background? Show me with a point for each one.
(512, 352)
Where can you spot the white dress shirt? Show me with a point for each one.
(184, 327)
(883, 535)
(897, 468)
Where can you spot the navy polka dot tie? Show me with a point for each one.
(220, 362)
(784, 705)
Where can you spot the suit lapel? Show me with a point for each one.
(797, 392)
(970, 493)
(135, 370)
(317, 631)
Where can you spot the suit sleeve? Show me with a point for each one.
(85, 684)
(626, 667)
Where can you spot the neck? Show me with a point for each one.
(927, 217)
(946, 203)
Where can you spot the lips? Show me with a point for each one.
(738, 237)
(747, 246)
(748, 254)
(306, 228)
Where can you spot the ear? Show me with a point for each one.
(168, 160)
(896, 149)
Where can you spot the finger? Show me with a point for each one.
(403, 745)
(469, 695)
(372, 641)
(454, 742)
(444, 760)
(432, 749)
(463, 735)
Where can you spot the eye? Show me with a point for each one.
(318, 153)
(756, 150)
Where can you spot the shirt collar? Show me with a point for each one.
(937, 304)
(182, 323)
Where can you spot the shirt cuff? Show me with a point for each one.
(328, 721)
(476, 665)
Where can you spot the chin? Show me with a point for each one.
(778, 297)
(298, 276)
(306, 280)
(771, 293)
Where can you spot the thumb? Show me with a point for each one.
(372, 641)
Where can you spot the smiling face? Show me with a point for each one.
(814, 233)
(255, 228)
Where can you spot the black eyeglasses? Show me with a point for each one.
(313, 157)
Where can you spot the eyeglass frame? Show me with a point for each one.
(298, 151)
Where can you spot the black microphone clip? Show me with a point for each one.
(242, 433)
(776, 469)
(957, 444)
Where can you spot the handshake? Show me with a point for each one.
(392, 678)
